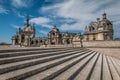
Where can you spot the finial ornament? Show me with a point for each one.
(27, 20)
(104, 15)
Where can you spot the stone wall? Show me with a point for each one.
(104, 44)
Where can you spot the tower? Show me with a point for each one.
(25, 34)
(105, 29)
(54, 36)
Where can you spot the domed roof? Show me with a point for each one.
(55, 29)
(106, 21)
(94, 24)
(27, 26)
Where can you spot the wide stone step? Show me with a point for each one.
(117, 61)
(23, 64)
(20, 50)
(58, 64)
(57, 70)
(36, 69)
(96, 73)
(114, 73)
(28, 49)
(106, 71)
(116, 65)
(13, 54)
(62, 69)
(33, 56)
(69, 72)
(83, 72)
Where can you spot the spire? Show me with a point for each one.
(27, 20)
(104, 15)
(86, 28)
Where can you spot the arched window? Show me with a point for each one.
(16, 41)
(68, 41)
(32, 42)
(53, 34)
(91, 28)
(36, 42)
(22, 38)
(41, 41)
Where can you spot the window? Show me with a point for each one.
(22, 38)
(40, 41)
(53, 34)
(93, 28)
(32, 42)
(36, 42)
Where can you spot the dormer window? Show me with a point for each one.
(93, 28)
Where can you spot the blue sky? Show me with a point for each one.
(68, 15)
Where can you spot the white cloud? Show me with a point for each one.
(41, 21)
(22, 3)
(54, 1)
(47, 26)
(3, 10)
(43, 32)
(20, 15)
(15, 26)
(18, 3)
(75, 26)
(114, 12)
(82, 10)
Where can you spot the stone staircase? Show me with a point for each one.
(57, 64)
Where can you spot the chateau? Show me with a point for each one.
(98, 30)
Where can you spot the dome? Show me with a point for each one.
(106, 21)
(27, 28)
(55, 29)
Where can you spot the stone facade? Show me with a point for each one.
(99, 30)
(25, 35)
